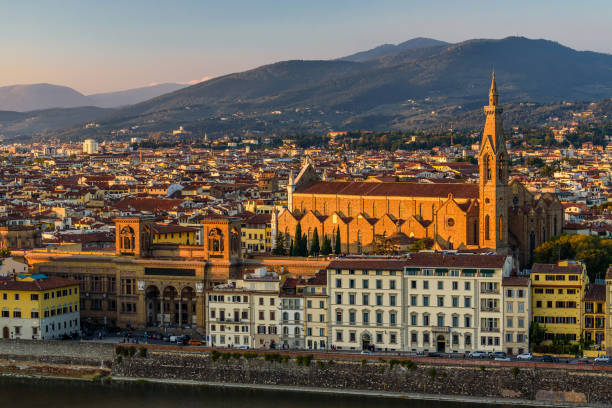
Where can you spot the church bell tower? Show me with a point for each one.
(493, 185)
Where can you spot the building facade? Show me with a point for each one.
(39, 307)
(517, 313)
(557, 291)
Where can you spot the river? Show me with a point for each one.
(48, 393)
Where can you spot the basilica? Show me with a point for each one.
(497, 214)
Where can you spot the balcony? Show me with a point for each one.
(490, 329)
(490, 291)
(440, 329)
(489, 309)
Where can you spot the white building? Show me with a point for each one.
(90, 146)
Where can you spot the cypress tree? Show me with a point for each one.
(297, 241)
(337, 248)
(326, 247)
(292, 248)
(279, 246)
(314, 245)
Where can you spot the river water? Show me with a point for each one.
(37, 393)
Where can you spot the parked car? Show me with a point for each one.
(603, 359)
(503, 359)
(434, 354)
(550, 359)
(584, 361)
(497, 354)
(243, 348)
(477, 354)
(525, 356)
(366, 352)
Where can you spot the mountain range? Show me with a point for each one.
(23, 98)
(412, 84)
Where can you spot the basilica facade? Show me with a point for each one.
(498, 214)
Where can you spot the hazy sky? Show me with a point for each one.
(104, 45)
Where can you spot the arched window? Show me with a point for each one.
(215, 240)
(286, 331)
(487, 169)
(297, 332)
(500, 166)
(126, 239)
(486, 227)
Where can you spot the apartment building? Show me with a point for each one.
(316, 304)
(594, 318)
(38, 307)
(556, 298)
(228, 311)
(516, 290)
(265, 287)
(291, 311)
(454, 301)
(365, 303)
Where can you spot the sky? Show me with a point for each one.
(108, 45)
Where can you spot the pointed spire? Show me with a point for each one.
(493, 95)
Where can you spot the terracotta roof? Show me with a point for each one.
(555, 268)
(400, 189)
(448, 260)
(515, 281)
(52, 282)
(595, 292)
(367, 263)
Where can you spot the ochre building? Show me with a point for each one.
(497, 213)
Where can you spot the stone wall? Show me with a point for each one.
(529, 383)
(60, 352)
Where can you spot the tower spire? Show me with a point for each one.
(493, 95)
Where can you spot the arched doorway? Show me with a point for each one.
(187, 306)
(153, 302)
(169, 309)
(6, 333)
(441, 344)
(366, 341)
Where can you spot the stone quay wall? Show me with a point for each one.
(528, 383)
(58, 352)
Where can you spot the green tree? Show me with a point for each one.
(536, 334)
(419, 245)
(5, 253)
(279, 246)
(338, 245)
(326, 247)
(297, 240)
(315, 248)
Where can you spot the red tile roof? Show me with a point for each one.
(450, 260)
(51, 282)
(458, 190)
(555, 268)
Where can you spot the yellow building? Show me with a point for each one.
(556, 298)
(256, 233)
(38, 307)
(174, 234)
(315, 322)
(594, 320)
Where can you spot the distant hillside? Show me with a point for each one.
(389, 49)
(415, 87)
(132, 96)
(23, 98)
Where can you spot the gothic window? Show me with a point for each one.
(475, 232)
(515, 201)
(487, 169)
(543, 234)
(358, 241)
(486, 227)
(215, 240)
(501, 168)
(374, 210)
